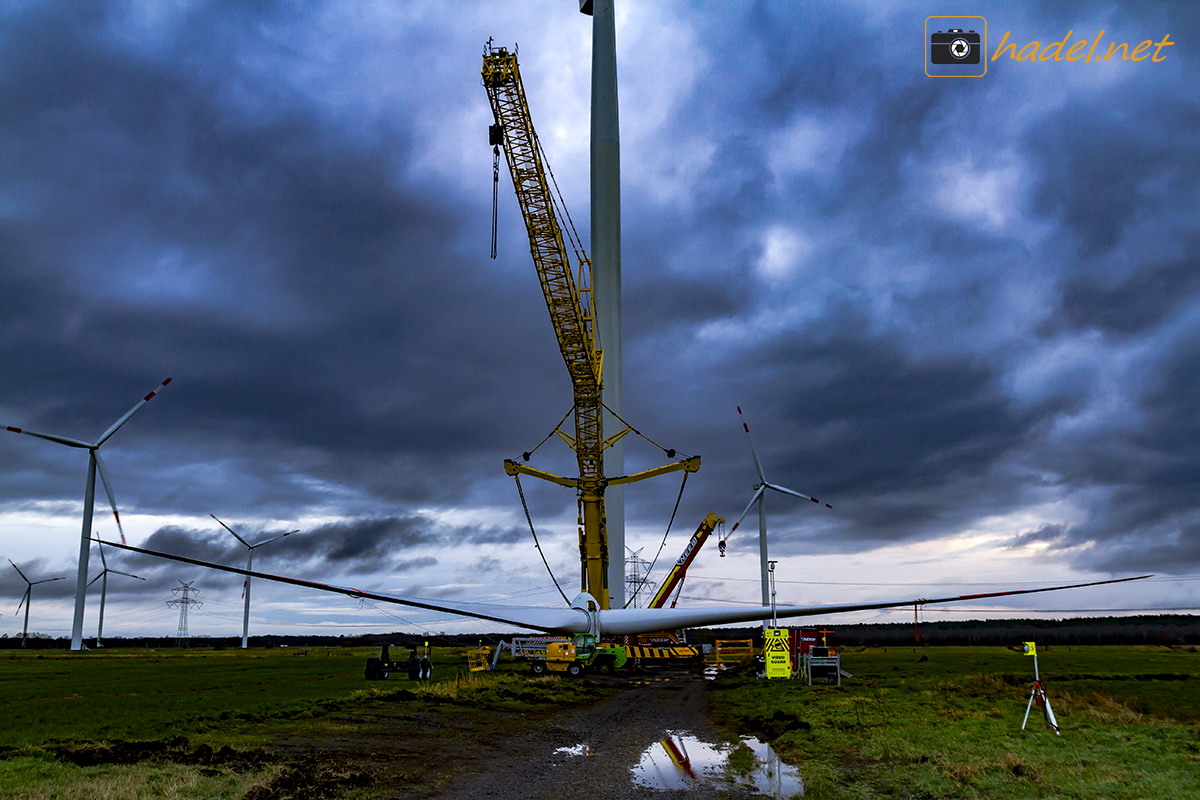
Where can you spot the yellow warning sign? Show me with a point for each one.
(777, 652)
(775, 642)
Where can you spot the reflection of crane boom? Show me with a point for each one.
(571, 315)
(679, 569)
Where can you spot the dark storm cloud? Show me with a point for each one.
(914, 444)
(304, 299)
(903, 446)
(1103, 177)
(1044, 534)
(1138, 304)
(1142, 477)
(371, 544)
(207, 199)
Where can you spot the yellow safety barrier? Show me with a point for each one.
(728, 651)
(477, 659)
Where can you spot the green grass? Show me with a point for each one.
(948, 726)
(146, 694)
(61, 708)
(911, 723)
(41, 777)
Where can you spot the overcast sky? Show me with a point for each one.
(963, 311)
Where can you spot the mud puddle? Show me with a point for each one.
(682, 761)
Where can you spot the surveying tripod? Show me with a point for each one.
(1038, 695)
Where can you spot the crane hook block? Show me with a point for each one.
(495, 135)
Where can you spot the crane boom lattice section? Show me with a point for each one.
(571, 315)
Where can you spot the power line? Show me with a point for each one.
(1155, 579)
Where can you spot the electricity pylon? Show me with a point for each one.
(184, 603)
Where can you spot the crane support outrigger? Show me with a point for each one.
(572, 314)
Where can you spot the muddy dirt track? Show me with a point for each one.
(406, 751)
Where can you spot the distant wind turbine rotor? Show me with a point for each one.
(103, 578)
(95, 464)
(760, 490)
(250, 548)
(27, 597)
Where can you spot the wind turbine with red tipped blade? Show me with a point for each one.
(249, 566)
(760, 490)
(95, 464)
(103, 578)
(27, 598)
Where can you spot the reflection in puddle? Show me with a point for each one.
(681, 761)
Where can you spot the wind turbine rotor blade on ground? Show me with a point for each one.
(641, 620)
(549, 620)
(616, 621)
(112, 500)
(231, 530)
(116, 426)
(50, 437)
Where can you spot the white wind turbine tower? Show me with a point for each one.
(250, 548)
(27, 598)
(760, 490)
(103, 578)
(95, 464)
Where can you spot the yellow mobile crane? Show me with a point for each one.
(572, 314)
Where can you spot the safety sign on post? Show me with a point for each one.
(777, 652)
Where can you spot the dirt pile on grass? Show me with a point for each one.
(176, 750)
(311, 779)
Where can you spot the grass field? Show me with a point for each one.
(82, 726)
(911, 723)
(945, 723)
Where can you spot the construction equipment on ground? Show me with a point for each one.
(673, 583)
(572, 314)
(583, 653)
(417, 667)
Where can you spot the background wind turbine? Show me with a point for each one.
(27, 598)
(249, 565)
(103, 578)
(95, 464)
(760, 490)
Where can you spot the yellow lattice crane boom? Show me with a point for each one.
(570, 303)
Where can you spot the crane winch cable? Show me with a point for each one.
(670, 452)
(495, 194)
(536, 543)
(561, 204)
(662, 544)
(528, 454)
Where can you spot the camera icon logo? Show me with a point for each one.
(955, 47)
